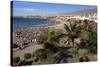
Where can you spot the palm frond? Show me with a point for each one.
(67, 28)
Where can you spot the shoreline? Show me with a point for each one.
(49, 24)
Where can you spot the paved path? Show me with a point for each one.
(20, 53)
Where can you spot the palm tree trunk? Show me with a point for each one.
(73, 42)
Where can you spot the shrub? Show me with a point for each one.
(84, 59)
(81, 59)
(41, 39)
(74, 51)
(16, 60)
(41, 54)
(91, 39)
(51, 46)
(27, 56)
(92, 43)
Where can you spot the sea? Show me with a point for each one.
(28, 22)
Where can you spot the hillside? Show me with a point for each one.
(82, 12)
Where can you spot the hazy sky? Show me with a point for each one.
(22, 8)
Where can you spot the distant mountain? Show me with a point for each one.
(82, 12)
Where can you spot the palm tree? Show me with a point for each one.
(92, 42)
(51, 44)
(48, 37)
(73, 31)
(86, 24)
(51, 35)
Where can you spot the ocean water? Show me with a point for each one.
(27, 22)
